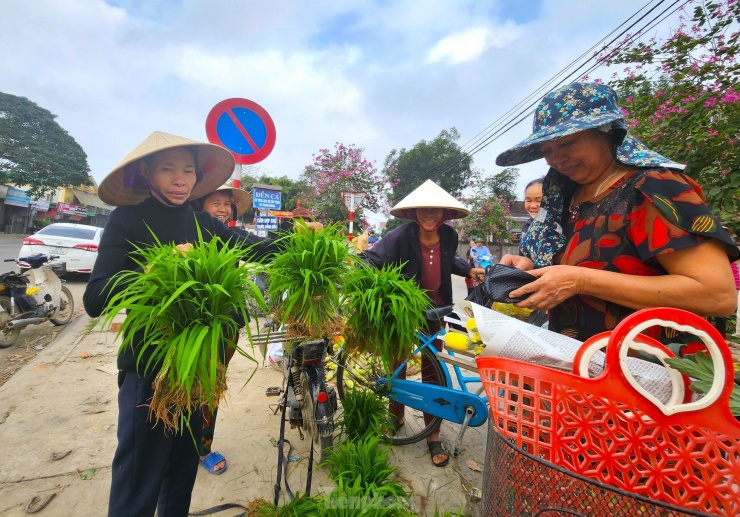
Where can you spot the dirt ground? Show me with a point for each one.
(58, 415)
(33, 339)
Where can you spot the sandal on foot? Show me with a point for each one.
(211, 460)
(437, 448)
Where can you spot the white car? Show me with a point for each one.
(76, 245)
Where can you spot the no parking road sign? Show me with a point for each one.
(243, 127)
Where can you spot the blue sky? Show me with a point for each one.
(381, 75)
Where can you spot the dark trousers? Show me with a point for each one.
(428, 376)
(226, 352)
(152, 468)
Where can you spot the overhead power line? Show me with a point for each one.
(522, 110)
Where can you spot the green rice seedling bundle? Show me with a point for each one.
(352, 497)
(182, 304)
(305, 278)
(301, 506)
(384, 310)
(364, 414)
(364, 460)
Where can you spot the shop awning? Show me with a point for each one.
(90, 200)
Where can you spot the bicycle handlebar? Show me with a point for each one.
(436, 314)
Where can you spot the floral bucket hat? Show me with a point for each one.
(577, 107)
(569, 109)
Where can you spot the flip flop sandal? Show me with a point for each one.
(438, 448)
(213, 459)
(38, 503)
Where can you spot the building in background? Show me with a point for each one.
(21, 214)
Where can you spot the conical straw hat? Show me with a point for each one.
(430, 195)
(301, 213)
(241, 199)
(125, 186)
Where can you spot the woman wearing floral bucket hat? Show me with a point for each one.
(154, 468)
(427, 248)
(625, 228)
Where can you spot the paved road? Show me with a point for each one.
(10, 245)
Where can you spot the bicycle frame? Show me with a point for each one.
(454, 404)
(446, 402)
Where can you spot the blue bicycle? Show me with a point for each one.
(449, 399)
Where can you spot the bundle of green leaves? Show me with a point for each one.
(384, 310)
(306, 275)
(700, 368)
(183, 304)
(364, 414)
(364, 461)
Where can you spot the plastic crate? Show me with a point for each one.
(681, 457)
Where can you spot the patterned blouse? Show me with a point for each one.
(646, 214)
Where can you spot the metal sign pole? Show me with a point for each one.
(236, 182)
(351, 215)
(352, 200)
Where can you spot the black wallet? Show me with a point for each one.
(500, 280)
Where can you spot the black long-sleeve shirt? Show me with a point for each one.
(137, 225)
(402, 246)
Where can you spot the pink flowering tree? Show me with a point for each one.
(489, 206)
(681, 97)
(342, 170)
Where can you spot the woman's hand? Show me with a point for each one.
(477, 272)
(554, 285)
(699, 280)
(184, 248)
(517, 261)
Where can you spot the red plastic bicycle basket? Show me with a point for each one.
(606, 429)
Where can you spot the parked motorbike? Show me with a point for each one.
(33, 297)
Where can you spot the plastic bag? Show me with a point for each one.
(274, 355)
(509, 309)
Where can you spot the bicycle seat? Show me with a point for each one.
(437, 314)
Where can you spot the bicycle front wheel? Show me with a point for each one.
(364, 373)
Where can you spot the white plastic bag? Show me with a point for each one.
(274, 355)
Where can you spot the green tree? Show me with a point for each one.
(681, 97)
(502, 185)
(35, 151)
(342, 170)
(490, 205)
(441, 160)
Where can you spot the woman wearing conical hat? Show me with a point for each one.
(154, 469)
(427, 248)
(225, 204)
